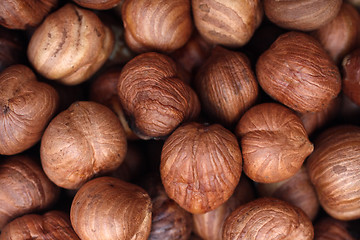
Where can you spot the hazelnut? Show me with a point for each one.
(329, 228)
(22, 14)
(154, 97)
(98, 4)
(24, 188)
(268, 218)
(52, 225)
(156, 25)
(334, 171)
(107, 208)
(26, 107)
(81, 142)
(297, 190)
(351, 78)
(298, 72)
(226, 85)
(274, 142)
(200, 166)
(339, 36)
(12, 48)
(229, 23)
(209, 225)
(304, 15)
(70, 45)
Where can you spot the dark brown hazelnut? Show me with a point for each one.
(53, 225)
(268, 218)
(156, 25)
(24, 188)
(334, 171)
(84, 141)
(274, 142)
(209, 225)
(26, 107)
(22, 14)
(107, 208)
(70, 45)
(328, 228)
(154, 97)
(297, 190)
(351, 78)
(228, 23)
(98, 4)
(12, 48)
(200, 166)
(339, 36)
(304, 15)
(226, 85)
(297, 71)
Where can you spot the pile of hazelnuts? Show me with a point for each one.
(179, 119)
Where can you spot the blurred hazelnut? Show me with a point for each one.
(70, 45)
(107, 208)
(153, 96)
(334, 171)
(351, 76)
(84, 141)
(226, 85)
(339, 36)
(209, 225)
(24, 188)
(12, 48)
(304, 15)
(22, 14)
(26, 107)
(268, 218)
(228, 23)
(156, 25)
(274, 142)
(98, 4)
(328, 228)
(298, 72)
(297, 190)
(200, 166)
(52, 225)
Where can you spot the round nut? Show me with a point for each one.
(351, 79)
(98, 4)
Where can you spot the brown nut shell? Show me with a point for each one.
(98, 4)
(304, 15)
(12, 48)
(70, 45)
(107, 208)
(268, 219)
(154, 97)
(156, 25)
(226, 85)
(334, 170)
(24, 188)
(228, 23)
(328, 228)
(53, 225)
(26, 107)
(351, 78)
(23, 14)
(297, 190)
(200, 166)
(274, 142)
(81, 142)
(298, 72)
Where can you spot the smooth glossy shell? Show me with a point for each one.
(268, 219)
(328, 228)
(274, 142)
(228, 23)
(200, 166)
(24, 188)
(154, 97)
(298, 72)
(98, 4)
(70, 45)
(334, 170)
(26, 107)
(304, 15)
(156, 25)
(107, 208)
(81, 142)
(351, 79)
(53, 225)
